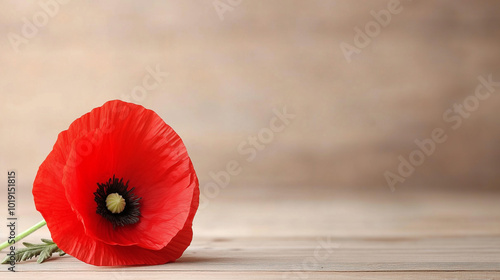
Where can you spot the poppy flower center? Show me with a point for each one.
(117, 203)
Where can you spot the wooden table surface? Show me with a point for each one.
(316, 233)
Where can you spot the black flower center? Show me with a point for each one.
(117, 203)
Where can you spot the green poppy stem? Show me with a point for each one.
(24, 234)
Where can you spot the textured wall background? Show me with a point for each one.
(229, 67)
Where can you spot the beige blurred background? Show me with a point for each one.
(231, 63)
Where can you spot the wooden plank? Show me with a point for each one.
(199, 275)
(261, 212)
(317, 254)
(354, 236)
(278, 212)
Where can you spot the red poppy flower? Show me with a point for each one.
(118, 188)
